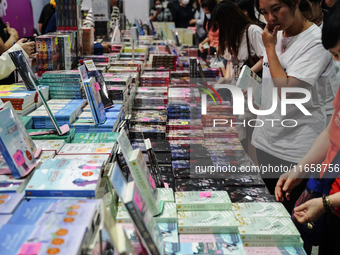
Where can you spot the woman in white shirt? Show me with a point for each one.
(234, 25)
(294, 57)
(6, 64)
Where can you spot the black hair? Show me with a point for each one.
(210, 5)
(331, 27)
(304, 6)
(248, 6)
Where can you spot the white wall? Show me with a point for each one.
(138, 9)
(86, 5)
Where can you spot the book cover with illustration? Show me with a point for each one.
(15, 147)
(64, 183)
(274, 209)
(9, 202)
(87, 149)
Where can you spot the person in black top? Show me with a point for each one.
(46, 15)
(183, 14)
(8, 36)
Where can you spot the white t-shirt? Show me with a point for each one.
(307, 60)
(256, 46)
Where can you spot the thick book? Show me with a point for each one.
(15, 145)
(64, 183)
(143, 178)
(138, 211)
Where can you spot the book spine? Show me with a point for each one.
(271, 244)
(142, 229)
(207, 230)
(60, 193)
(71, 13)
(67, 14)
(143, 185)
(61, 89)
(56, 85)
(204, 207)
(57, 13)
(59, 76)
(270, 238)
(57, 81)
(62, 47)
(76, 15)
(62, 14)
(65, 97)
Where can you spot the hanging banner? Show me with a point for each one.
(19, 14)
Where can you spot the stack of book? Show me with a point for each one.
(68, 15)
(65, 112)
(88, 126)
(184, 95)
(63, 84)
(166, 61)
(155, 79)
(23, 100)
(184, 111)
(26, 121)
(95, 137)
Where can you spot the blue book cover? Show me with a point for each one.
(14, 236)
(95, 100)
(64, 183)
(14, 146)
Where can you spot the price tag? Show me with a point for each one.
(161, 107)
(100, 150)
(30, 249)
(108, 75)
(185, 123)
(145, 119)
(205, 194)
(90, 65)
(96, 86)
(19, 158)
(143, 88)
(114, 88)
(90, 167)
(166, 185)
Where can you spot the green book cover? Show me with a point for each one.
(268, 229)
(207, 222)
(260, 210)
(202, 201)
(95, 137)
(167, 195)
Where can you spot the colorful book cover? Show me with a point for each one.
(72, 164)
(260, 210)
(95, 137)
(9, 202)
(89, 158)
(15, 148)
(268, 229)
(64, 183)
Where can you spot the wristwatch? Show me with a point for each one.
(327, 204)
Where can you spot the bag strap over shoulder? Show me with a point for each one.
(251, 59)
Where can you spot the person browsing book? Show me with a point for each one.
(323, 151)
(294, 58)
(212, 31)
(241, 37)
(160, 14)
(6, 64)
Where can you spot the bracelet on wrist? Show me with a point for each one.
(327, 204)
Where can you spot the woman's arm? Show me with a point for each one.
(201, 47)
(315, 155)
(228, 71)
(258, 66)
